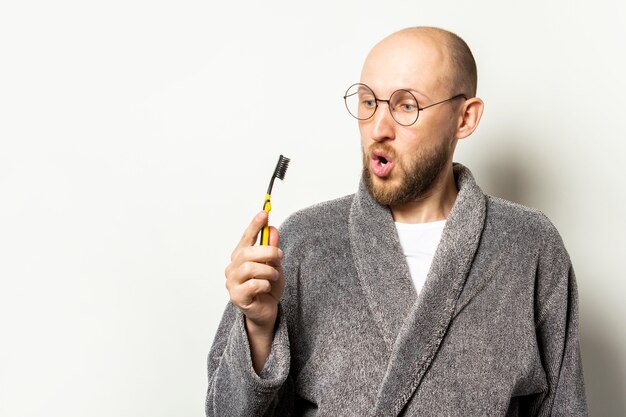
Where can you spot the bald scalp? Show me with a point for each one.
(463, 76)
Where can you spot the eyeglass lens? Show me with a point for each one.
(362, 103)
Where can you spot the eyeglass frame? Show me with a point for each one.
(376, 100)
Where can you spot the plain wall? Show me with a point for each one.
(137, 139)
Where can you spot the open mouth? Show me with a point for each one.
(381, 163)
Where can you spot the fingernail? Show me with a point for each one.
(280, 253)
(260, 215)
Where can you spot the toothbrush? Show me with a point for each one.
(279, 172)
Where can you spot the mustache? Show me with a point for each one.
(381, 147)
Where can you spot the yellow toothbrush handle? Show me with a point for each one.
(265, 232)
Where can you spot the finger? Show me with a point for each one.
(252, 231)
(262, 254)
(252, 270)
(276, 262)
(243, 295)
(273, 236)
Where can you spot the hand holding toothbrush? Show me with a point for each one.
(255, 283)
(254, 277)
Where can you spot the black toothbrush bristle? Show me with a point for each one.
(281, 167)
(279, 172)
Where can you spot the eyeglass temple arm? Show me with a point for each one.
(443, 101)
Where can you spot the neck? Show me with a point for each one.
(435, 205)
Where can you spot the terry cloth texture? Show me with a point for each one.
(494, 331)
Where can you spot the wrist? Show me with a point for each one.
(260, 331)
(260, 338)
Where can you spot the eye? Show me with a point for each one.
(404, 102)
(368, 103)
(405, 105)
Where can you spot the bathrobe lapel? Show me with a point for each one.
(413, 326)
(381, 265)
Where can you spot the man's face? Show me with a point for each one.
(402, 163)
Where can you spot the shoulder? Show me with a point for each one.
(509, 218)
(326, 214)
(528, 236)
(327, 220)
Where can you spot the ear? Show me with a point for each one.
(468, 121)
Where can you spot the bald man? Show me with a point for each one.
(418, 295)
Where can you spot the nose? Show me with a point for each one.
(383, 124)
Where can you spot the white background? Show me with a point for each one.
(137, 139)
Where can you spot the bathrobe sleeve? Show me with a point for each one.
(234, 387)
(556, 318)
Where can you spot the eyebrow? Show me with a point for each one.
(416, 91)
(412, 90)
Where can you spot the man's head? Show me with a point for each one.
(404, 163)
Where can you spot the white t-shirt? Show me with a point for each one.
(419, 242)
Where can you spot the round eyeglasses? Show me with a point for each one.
(362, 103)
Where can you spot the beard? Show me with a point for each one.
(417, 174)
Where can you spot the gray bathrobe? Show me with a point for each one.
(493, 332)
